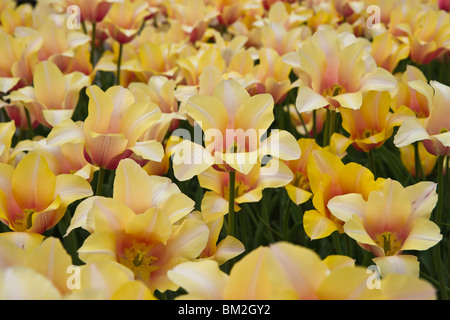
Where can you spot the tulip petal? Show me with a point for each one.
(49, 86)
(208, 112)
(398, 264)
(20, 283)
(190, 159)
(423, 235)
(149, 150)
(309, 100)
(202, 279)
(71, 188)
(255, 113)
(345, 206)
(51, 260)
(28, 181)
(249, 279)
(409, 132)
(317, 226)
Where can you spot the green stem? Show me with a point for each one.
(372, 165)
(337, 242)
(436, 250)
(330, 123)
(30, 126)
(119, 62)
(314, 124)
(417, 163)
(326, 130)
(286, 219)
(440, 185)
(231, 184)
(94, 25)
(100, 178)
(436, 255)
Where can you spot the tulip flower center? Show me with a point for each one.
(389, 242)
(239, 189)
(138, 254)
(301, 181)
(27, 218)
(333, 91)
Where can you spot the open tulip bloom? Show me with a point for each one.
(224, 150)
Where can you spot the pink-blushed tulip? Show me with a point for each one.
(433, 130)
(33, 198)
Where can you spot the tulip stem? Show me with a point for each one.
(100, 178)
(337, 242)
(418, 164)
(231, 186)
(372, 165)
(440, 185)
(329, 127)
(314, 124)
(94, 25)
(119, 62)
(436, 250)
(286, 219)
(30, 126)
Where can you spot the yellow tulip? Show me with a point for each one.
(146, 243)
(138, 192)
(20, 16)
(54, 96)
(194, 17)
(298, 189)
(428, 32)
(388, 51)
(124, 19)
(290, 272)
(408, 96)
(336, 71)
(329, 177)
(391, 220)
(248, 187)
(371, 125)
(434, 130)
(93, 11)
(113, 128)
(233, 139)
(27, 262)
(273, 74)
(63, 157)
(33, 198)
(222, 251)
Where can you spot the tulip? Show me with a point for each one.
(224, 119)
(93, 11)
(408, 96)
(329, 177)
(434, 130)
(147, 243)
(33, 198)
(34, 262)
(336, 71)
(54, 96)
(290, 272)
(391, 220)
(113, 128)
(124, 19)
(247, 187)
(371, 125)
(194, 17)
(388, 51)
